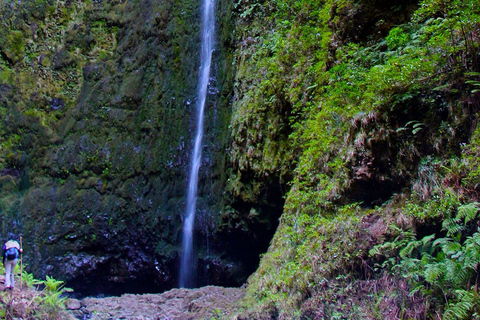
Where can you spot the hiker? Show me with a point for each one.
(11, 252)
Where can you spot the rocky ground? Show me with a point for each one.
(177, 304)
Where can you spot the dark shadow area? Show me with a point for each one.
(100, 286)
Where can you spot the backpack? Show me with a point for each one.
(11, 253)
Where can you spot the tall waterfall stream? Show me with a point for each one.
(186, 274)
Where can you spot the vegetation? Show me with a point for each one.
(442, 265)
(34, 299)
(382, 117)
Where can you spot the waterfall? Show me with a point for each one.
(186, 278)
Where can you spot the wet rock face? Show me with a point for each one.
(98, 131)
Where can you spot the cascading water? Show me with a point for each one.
(186, 278)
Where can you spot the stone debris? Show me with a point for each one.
(176, 304)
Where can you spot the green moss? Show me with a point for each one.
(351, 102)
(306, 251)
(6, 73)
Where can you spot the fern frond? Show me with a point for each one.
(468, 211)
(448, 246)
(473, 240)
(409, 268)
(476, 302)
(408, 249)
(455, 274)
(462, 277)
(382, 249)
(426, 258)
(427, 239)
(452, 226)
(434, 272)
(462, 309)
(458, 311)
(389, 248)
(452, 249)
(418, 288)
(472, 252)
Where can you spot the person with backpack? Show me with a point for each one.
(11, 253)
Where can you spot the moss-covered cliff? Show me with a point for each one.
(375, 106)
(98, 115)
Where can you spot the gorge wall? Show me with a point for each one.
(97, 103)
(379, 140)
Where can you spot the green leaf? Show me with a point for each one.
(468, 211)
(414, 131)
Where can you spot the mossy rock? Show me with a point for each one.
(13, 45)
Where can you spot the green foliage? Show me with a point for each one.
(397, 38)
(315, 91)
(470, 164)
(307, 250)
(52, 285)
(280, 65)
(51, 299)
(467, 306)
(13, 45)
(415, 127)
(441, 267)
(29, 280)
(355, 98)
(466, 213)
(475, 83)
(48, 303)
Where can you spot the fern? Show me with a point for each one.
(53, 285)
(419, 288)
(468, 211)
(472, 251)
(409, 268)
(29, 280)
(434, 272)
(452, 226)
(475, 83)
(466, 307)
(460, 310)
(455, 274)
(391, 248)
(443, 268)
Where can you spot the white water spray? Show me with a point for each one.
(186, 278)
